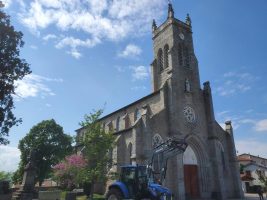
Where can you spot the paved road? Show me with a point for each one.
(254, 196)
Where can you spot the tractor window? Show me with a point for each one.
(128, 174)
(142, 171)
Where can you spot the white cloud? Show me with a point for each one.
(131, 51)
(136, 88)
(248, 117)
(74, 53)
(233, 83)
(33, 47)
(6, 3)
(229, 74)
(98, 19)
(76, 42)
(49, 37)
(9, 158)
(34, 85)
(261, 125)
(247, 121)
(244, 75)
(222, 113)
(73, 43)
(140, 72)
(251, 146)
(98, 6)
(238, 119)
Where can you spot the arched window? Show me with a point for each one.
(137, 114)
(183, 56)
(118, 124)
(166, 57)
(180, 55)
(189, 157)
(126, 121)
(110, 126)
(130, 150)
(160, 59)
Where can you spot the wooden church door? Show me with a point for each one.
(191, 181)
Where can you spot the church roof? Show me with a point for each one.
(131, 104)
(249, 156)
(127, 106)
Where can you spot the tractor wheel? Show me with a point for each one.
(114, 194)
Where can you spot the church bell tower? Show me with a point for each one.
(174, 55)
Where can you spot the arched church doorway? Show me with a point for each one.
(191, 174)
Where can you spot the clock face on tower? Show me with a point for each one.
(189, 114)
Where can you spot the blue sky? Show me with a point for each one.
(85, 54)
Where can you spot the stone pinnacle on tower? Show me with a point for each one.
(170, 11)
(188, 20)
(154, 25)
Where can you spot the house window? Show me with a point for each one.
(248, 173)
(160, 60)
(166, 57)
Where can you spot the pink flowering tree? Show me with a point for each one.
(68, 172)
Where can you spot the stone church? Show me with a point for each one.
(178, 106)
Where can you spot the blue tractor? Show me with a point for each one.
(145, 182)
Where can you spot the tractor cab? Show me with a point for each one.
(135, 179)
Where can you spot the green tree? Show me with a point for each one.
(12, 68)
(5, 176)
(51, 145)
(97, 143)
(262, 178)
